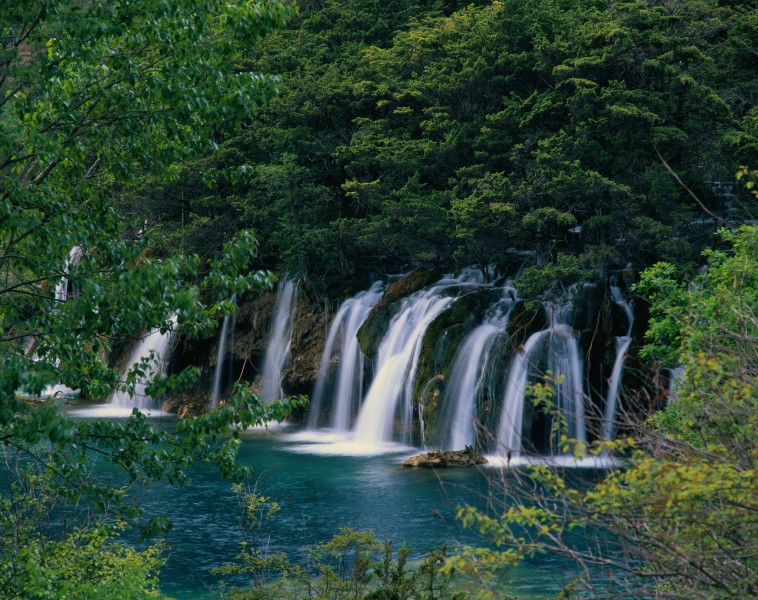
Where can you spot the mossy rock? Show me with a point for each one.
(405, 286)
(590, 304)
(441, 342)
(526, 318)
(376, 324)
(468, 457)
(430, 396)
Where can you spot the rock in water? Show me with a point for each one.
(468, 457)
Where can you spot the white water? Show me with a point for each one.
(614, 384)
(61, 290)
(468, 374)
(218, 375)
(512, 411)
(59, 390)
(154, 345)
(564, 364)
(343, 384)
(278, 350)
(466, 383)
(389, 398)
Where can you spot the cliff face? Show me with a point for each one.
(309, 333)
(252, 332)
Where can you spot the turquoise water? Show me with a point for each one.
(320, 491)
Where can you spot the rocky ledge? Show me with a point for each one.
(468, 457)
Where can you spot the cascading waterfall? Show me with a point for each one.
(343, 385)
(565, 366)
(61, 290)
(614, 385)
(154, 345)
(389, 397)
(564, 362)
(218, 375)
(278, 349)
(468, 375)
(61, 295)
(512, 411)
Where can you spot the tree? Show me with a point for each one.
(93, 94)
(680, 519)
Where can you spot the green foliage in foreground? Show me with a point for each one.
(680, 520)
(93, 94)
(353, 565)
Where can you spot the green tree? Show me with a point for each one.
(679, 519)
(93, 94)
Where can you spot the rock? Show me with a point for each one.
(375, 326)
(468, 457)
(187, 403)
(525, 320)
(309, 333)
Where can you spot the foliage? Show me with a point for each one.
(351, 565)
(267, 569)
(80, 561)
(679, 520)
(442, 134)
(93, 95)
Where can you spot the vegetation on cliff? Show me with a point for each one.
(441, 134)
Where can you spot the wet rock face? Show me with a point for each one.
(524, 321)
(253, 325)
(467, 457)
(375, 326)
(309, 333)
(309, 330)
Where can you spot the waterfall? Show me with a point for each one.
(389, 396)
(564, 364)
(466, 380)
(154, 345)
(61, 290)
(468, 377)
(278, 349)
(512, 412)
(343, 385)
(61, 295)
(614, 385)
(218, 375)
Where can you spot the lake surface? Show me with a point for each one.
(321, 488)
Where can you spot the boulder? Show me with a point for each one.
(468, 457)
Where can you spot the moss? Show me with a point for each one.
(441, 342)
(524, 321)
(375, 326)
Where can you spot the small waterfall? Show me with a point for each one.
(614, 385)
(61, 290)
(343, 385)
(278, 349)
(468, 375)
(61, 295)
(154, 345)
(218, 375)
(389, 397)
(512, 412)
(564, 363)
(466, 380)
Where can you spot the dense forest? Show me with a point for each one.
(444, 134)
(161, 158)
